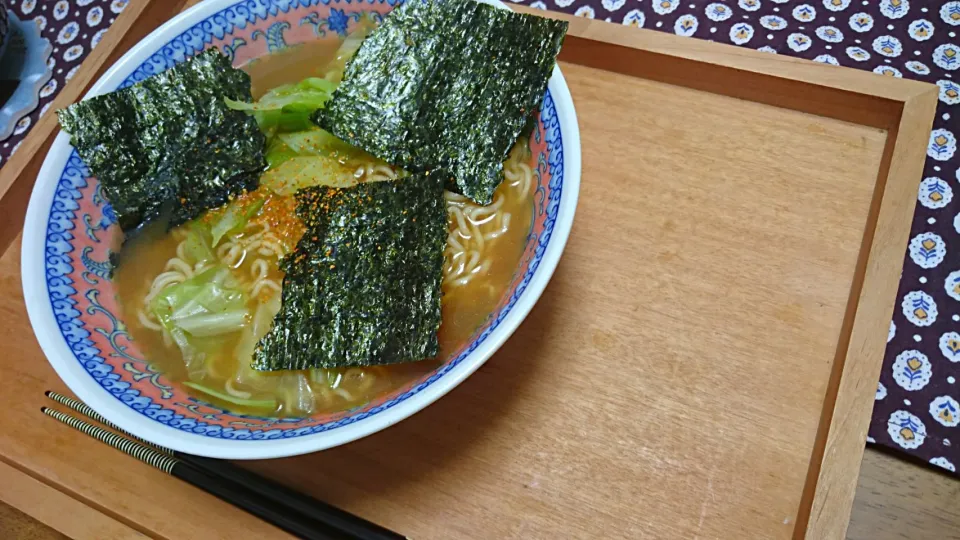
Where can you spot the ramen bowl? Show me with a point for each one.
(71, 232)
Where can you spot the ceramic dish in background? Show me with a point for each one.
(24, 57)
(70, 231)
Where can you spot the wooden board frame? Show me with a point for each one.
(903, 108)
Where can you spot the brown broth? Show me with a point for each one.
(465, 308)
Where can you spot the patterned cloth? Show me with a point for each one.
(917, 410)
(73, 27)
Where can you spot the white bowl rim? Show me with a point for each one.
(64, 362)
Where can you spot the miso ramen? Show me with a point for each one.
(483, 249)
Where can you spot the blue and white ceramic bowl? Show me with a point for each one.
(70, 230)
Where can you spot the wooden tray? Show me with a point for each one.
(703, 363)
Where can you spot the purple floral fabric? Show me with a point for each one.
(916, 409)
(73, 27)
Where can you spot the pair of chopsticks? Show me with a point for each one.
(289, 510)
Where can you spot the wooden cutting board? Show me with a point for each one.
(702, 364)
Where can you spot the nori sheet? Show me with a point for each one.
(446, 86)
(170, 142)
(362, 286)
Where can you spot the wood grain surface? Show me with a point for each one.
(903, 500)
(57, 510)
(859, 355)
(896, 500)
(702, 364)
(16, 525)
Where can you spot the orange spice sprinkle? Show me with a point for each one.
(279, 212)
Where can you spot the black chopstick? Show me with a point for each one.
(294, 500)
(291, 522)
(282, 506)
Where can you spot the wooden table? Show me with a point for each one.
(895, 500)
(692, 481)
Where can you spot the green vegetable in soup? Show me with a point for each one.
(362, 286)
(197, 244)
(313, 157)
(446, 86)
(213, 324)
(312, 141)
(288, 107)
(200, 313)
(278, 152)
(169, 143)
(265, 404)
(234, 219)
(205, 294)
(308, 95)
(299, 154)
(297, 173)
(315, 142)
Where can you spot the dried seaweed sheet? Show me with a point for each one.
(446, 86)
(170, 141)
(362, 286)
